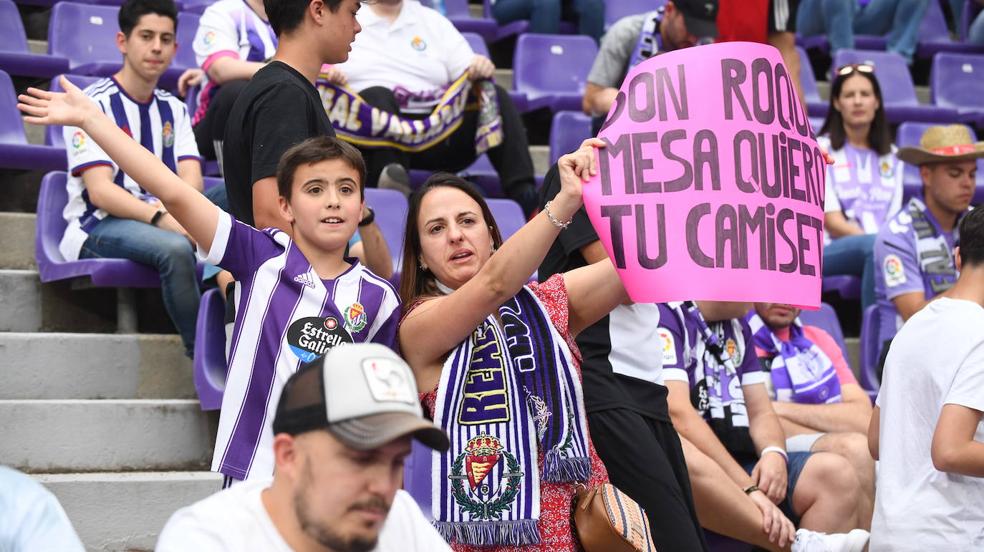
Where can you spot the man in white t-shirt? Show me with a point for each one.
(926, 427)
(342, 430)
(403, 61)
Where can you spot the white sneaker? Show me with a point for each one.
(813, 541)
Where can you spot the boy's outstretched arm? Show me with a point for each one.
(73, 108)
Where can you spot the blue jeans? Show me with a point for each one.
(854, 256)
(840, 19)
(170, 253)
(544, 15)
(975, 34)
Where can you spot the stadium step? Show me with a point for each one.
(17, 230)
(126, 511)
(53, 366)
(105, 435)
(30, 306)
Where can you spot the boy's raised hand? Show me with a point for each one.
(69, 108)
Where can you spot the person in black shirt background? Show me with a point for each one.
(624, 397)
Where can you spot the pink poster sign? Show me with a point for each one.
(711, 185)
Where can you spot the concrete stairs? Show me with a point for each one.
(108, 422)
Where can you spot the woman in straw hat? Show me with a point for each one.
(914, 251)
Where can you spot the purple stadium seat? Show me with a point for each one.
(52, 266)
(479, 46)
(909, 134)
(826, 319)
(391, 216)
(848, 287)
(567, 130)
(417, 477)
(15, 152)
(84, 34)
(15, 56)
(53, 133)
(955, 83)
(508, 216)
(553, 69)
(185, 56)
(617, 9)
(457, 11)
(507, 30)
(196, 6)
(870, 349)
(210, 365)
(897, 87)
(815, 105)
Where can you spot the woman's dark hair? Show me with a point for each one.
(132, 10)
(315, 150)
(414, 280)
(879, 136)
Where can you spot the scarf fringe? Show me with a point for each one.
(557, 469)
(490, 533)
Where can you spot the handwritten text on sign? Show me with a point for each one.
(711, 185)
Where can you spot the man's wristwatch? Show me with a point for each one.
(368, 219)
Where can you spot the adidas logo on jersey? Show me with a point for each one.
(305, 279)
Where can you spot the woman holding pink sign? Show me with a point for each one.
(499, 360)
(864, 185)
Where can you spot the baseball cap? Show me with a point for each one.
(700, 17)
(363, 393)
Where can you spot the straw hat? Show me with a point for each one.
(943, 143)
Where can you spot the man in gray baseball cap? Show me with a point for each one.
(342, 430)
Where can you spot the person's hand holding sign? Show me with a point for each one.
(575, 169)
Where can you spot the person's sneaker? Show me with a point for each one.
(395, 177)
(813, 541)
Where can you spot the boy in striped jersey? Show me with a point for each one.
(296, 297)
(109, 212)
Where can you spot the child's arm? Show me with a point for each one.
(189, 207)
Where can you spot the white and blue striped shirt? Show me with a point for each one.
(161, 125)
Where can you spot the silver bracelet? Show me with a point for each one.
(554, 220)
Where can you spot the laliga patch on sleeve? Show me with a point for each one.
(389, 381)
(894, 271)
(669, 346)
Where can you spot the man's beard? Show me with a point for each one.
(319, 531)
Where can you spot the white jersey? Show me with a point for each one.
(936, 359)
(229, 28)
(235, 520)
(285, 316)
(417, 56)
(161, 125)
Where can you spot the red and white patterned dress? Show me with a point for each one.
(556, 534)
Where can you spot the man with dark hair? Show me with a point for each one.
(632, 39)
(926, 429)
(109, 214)
(280, 106)
(343, 428)
(913, 251)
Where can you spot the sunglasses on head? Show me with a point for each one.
(845, 70)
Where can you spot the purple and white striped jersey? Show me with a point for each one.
(285, 315)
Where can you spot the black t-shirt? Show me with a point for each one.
(603, 388)
(279, 108)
